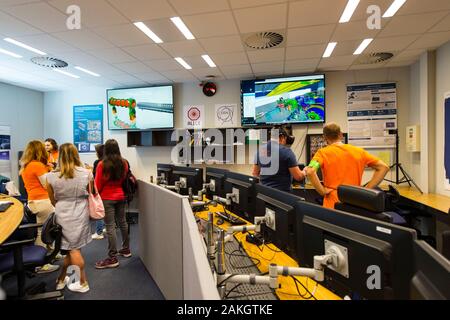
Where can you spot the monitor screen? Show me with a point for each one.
(140, 108)
(283, 100)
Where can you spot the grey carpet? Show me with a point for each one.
(130, 281)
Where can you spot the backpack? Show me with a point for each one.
(51, 231)
(129, 185)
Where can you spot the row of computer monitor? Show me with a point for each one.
(385, 261)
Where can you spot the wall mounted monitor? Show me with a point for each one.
(283, 100)
(140, 108)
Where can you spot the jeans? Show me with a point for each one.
(99, 226)
(115, 211)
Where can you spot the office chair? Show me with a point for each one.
(19, 255)
(365, 202)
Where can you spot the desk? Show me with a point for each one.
(267, 256)
(11, 218)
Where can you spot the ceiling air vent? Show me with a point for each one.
(49, 62)
(264, 40)
(375, 57)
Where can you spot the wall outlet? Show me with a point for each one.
(212, 185)
(270, 219)
(235, 193)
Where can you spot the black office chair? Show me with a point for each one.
(19, 255)
(368, 203)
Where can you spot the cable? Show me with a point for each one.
(232, 289)
(244, 256)
(277, 251)
(306, 289)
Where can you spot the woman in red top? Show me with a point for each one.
(109, 177)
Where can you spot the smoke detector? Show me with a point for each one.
(264, 40)
(49, 62)
(374, 57)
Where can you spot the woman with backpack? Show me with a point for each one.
(109, 178)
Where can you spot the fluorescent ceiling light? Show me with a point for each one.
(395, 6)
(209, 61)
(362, 46)
(183, 63)
(67, 73)
(349, 10)
(23, 45)
(330, 49)
(9, 53)
(87, 71)
(141, 26)
(182, 27)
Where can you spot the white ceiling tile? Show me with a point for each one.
(400, 63)
(133, 67)
(229, 59)
(196, 62)
(40, 15)
(337, 61)
(184, 48)
(354, 30)
(345, 48)
(11, 27)
(164, 65)
(47, 43)
(123, 35)
(177, 75)
(444, 25)
(237, 4)
(203, 73)
(271, 67)
(431, 40)
(165, 30)
(141, 10)
(113, 55)
(361, 11)
(305, 52)
(309, 35)
(83, 39)
(10, 3)
(409, 54)
(302, 64)
(236, 70)
(315, 12)
(367, 66)
(265, 18)
(147, 52)
(184, 7)
(268, 55)
(411, 24)
(391, 44)
(421, 6)
(97, 13)
(241, 76)
(152, 77)
(222, 44)
(211, 24)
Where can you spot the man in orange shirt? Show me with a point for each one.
(341, 164)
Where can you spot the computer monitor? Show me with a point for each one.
(216, 178)
(379, 254)
(164, 172)
(280, 206)
(192, 176)
(431, 279)
(243, 187)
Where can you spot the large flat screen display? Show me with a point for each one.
(283, 100)
(140, 108)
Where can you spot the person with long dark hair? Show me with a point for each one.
(52, 149)
(110, 175)
(99, 224)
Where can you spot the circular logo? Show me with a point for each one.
(194, 114)
(225, 114)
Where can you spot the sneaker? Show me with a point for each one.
(125, 253)
(78, 287)
(111, 262)
(61, 285)
(59, 256)
(97, 236)
(47, 268)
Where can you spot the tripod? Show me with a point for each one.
(398, 166)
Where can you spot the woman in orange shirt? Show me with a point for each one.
(52, 149)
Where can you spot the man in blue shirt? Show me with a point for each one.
(275, 163)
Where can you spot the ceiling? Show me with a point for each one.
(110, 45)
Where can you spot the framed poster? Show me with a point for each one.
(226, 116)
(447, 140)
(194, 117)
(315, 142)
(5, 151)
(87, 127)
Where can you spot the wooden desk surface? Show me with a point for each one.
(267, 256)
(11, 218)
(435, 201)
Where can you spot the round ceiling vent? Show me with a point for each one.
(49, 62)
(375, 57)
(264, 40)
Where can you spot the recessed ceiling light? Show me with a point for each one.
(87, 71)
(66, 73)
(23, 45)
(329, 50)
(209, 61)
(395, 6)
(141, 26)
(182, 27)
(349, 10)
(9, 53)
(364, 44)
(183, 63)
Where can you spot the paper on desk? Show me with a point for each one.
(6, 202)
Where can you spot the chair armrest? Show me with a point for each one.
(30, 225)
(16, 243)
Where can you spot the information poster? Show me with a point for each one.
(447, 140)
(226, 116)
(87, 127)
(194, 117)
(5, 151)
(372, 115)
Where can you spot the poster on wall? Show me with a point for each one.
(226, 116)
(447, 140)
(193, 117)
(372, 115)
(87, 127)
(5, 151)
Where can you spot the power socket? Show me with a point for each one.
(270, 219)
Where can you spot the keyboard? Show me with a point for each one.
(231, 219)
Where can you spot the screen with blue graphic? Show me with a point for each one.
(283, 100)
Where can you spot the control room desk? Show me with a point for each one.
(11, 218)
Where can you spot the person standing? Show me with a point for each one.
(68, 189)
(110, 175)
(341, 164)
(52, 149)
(99, 224)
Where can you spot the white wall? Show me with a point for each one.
(23, 110)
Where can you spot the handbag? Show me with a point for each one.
(96, 208)
(50, 230)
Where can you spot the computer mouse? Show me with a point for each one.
(219, 221)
